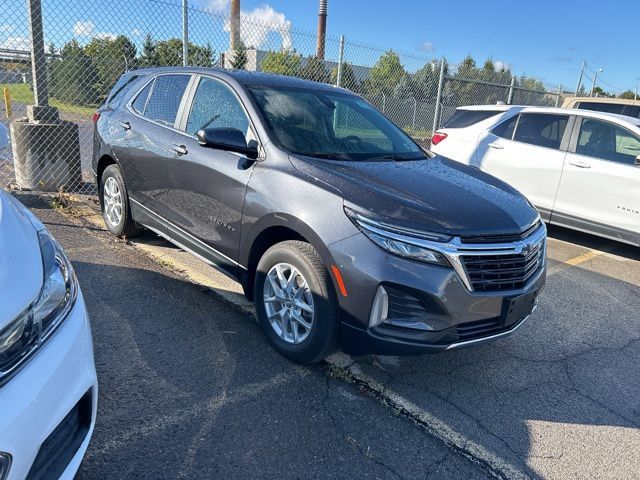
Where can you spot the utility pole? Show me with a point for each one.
(584, 64)
(595, 77)
(185, 33)
(235, 25)
(322, 29)
(635, 95)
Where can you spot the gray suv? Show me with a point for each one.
(338, 225)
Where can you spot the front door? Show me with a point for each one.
(526, 152)
(600, 185)
(206, 185)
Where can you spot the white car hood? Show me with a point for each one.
(21, 272)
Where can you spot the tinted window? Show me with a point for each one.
(165, 98)
(120, 87)
(215, 105)
(466, 118)
(541, 129)
(607, 141)
(141, 100)
(505, 129)
(602, 107)
(331, 124)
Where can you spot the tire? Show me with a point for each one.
(125, 226)
(322, 337)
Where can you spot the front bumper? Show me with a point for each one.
(43, 396)
(454, 316)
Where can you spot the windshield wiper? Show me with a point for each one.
(397, 157)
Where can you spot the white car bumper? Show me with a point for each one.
(46, 391)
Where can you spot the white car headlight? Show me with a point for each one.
(35, 324)
(401, 241)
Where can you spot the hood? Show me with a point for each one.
(20, 260)
(436, 195)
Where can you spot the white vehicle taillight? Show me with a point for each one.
(437, 138)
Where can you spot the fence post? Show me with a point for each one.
(436, 113)
(558, 97)
(185, 33)
(415, 107)
(511, 87)
(340, 62)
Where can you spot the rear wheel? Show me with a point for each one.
(295, 301)
(114, 202)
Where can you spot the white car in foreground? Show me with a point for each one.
(580, 168)
(48, 386)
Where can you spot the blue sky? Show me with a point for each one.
(545, 39)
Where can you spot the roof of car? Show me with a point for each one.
(245, 77)
(568, 111)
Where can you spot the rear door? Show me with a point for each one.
(149, 140)
(600, 186)
(527, 151)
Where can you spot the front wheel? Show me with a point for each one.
(296, 303)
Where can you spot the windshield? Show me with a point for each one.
(331, 125)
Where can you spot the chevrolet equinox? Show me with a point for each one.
(339, 226)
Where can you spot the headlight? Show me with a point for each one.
(31, 328)
(401, 241)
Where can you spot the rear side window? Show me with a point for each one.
(141, 100)
(506, 129)
(165, 98)
(541, 129)
(120, 87)
(602, 107)
(466, 118)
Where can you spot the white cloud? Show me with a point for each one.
(136, 32)
(500, 65)
(16, 43)
(6, 28)
(83, 28)
(427, 47)
(105, 36)
(259, 22)
(217, 5)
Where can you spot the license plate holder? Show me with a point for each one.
(517, 308)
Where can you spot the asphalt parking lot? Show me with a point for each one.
(189, 389)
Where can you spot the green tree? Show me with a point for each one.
(628, 95)
(284, 62)
(149, 58)
(348, 79)
(74, 77)
(385, 74)
(314, 69)
(425, 81)
(168, 53)
(112, 57)
(239, 61)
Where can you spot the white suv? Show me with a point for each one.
(580, 168)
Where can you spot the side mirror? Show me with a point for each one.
(638, 161)
(4, 137)
(230, 139)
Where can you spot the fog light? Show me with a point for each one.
(380, 308)
(5, 463)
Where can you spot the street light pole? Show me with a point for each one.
(584, 64)
(595, 78)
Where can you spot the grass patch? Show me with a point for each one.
(21, 93)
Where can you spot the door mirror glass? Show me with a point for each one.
(4, 137)
(230, 139)
(638, 161)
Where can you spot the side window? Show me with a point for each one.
(506, 128)
(465, 118)
(141, 100)
(165, 98)
(541, 129)
(215, 105)
(607, 141)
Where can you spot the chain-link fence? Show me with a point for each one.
(90, 43)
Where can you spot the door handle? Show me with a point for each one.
(497, 146)
(125, 125)
(580, 164)
(179, 149)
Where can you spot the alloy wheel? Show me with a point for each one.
(112, 197)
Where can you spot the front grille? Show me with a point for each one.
(489, 273)
(57, 451)
(479, 329)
